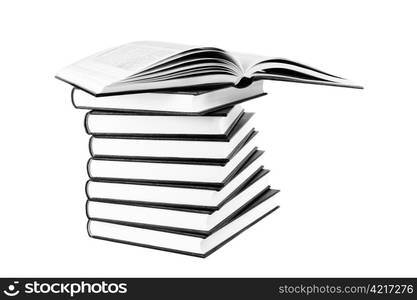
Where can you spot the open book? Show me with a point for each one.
(144, 66)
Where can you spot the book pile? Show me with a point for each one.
(184, 181)
(174, 159)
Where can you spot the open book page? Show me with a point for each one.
(138, 56)
(146, 65)
(252, 63)
(248, 60)
(274, 68)
(115, 64)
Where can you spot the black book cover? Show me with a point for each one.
(258, 174)
(161, 136)
(227, 220)
(176, 160)
(253, 155)
(267, 194)
(226, 138)
(206, 112)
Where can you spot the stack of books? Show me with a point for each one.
(175, 163)
(185, 181)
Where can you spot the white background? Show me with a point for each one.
(345, 160)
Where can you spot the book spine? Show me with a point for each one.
(87, 129)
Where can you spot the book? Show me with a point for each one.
(148, 65)
(170, 171)
(197, 197)
(186, 101)
(128, 123)
(174, 218)
(174, 149)
(200, 245)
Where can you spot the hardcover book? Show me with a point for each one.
(173, 217)
(186, 101)
(147, 65)
(200, 245)
(164, 171)
(174, 147)
(130, 123)
(193, 197)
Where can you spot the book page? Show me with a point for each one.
(137, 56)
(273, 68)
(248, 60)
(110, 66)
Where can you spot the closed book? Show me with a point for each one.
(174, 148)
(186, 101)
(186, 197)
(171, 171)
(195, 244)
(124, 123)
(174, 218)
